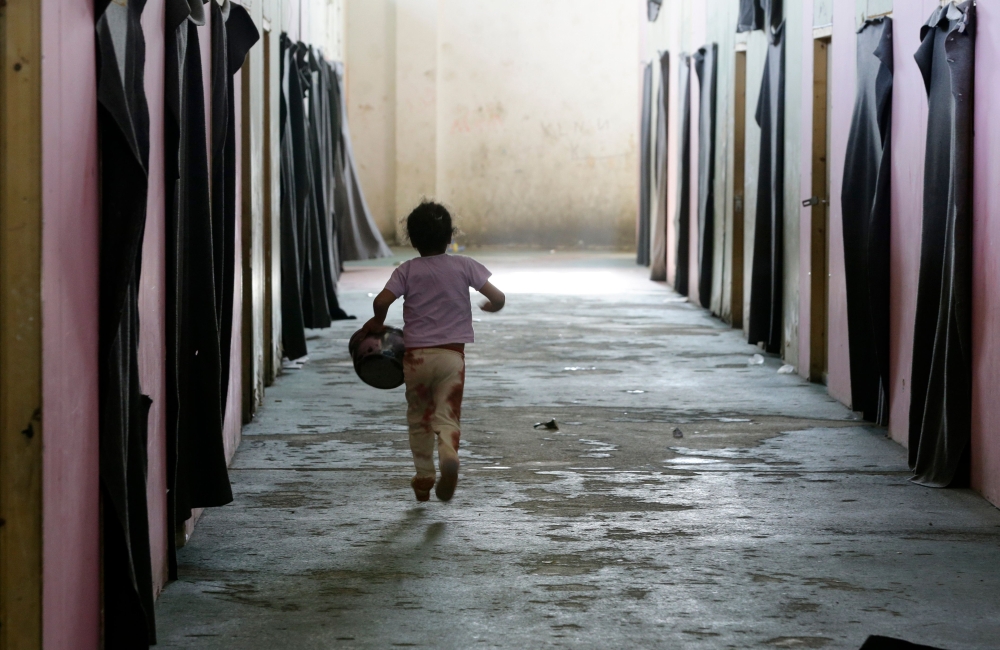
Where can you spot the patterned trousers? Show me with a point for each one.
(435, 381)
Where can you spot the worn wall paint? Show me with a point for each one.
(866, 9)
(804, 162)
(371, 104)
(722, 16)
(252, 162)
(909, 129)
(416, 104)
(822, 13)
(843, 79)
(509, 113)
(70, 244)
(986, 258)
(795, 24)
(536, 127)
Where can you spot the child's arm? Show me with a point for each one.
(376, 324)
(495, 299)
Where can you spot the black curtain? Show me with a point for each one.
(941, 380)
(768, 269)
(751, 16)
(653, 9)
(683, 215)
(233, 34)
(658, 260)
(645, 164)
(293, 337)
(123, 132)
(705, 65)
(196, 459)
(865, 196)
(360, 238)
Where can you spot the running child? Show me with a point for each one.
(437, 323)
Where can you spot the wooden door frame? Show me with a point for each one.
(819, 218)
(20, 325)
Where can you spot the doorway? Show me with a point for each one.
(739, 188)
(819, 204)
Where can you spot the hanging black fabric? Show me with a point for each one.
(196, 459)
(653, 9)
(233, 34)
(645, 164)
(941, 380)
(320, 139)
(706, 65)
(768, 250)
(658, 220)
(682, 218)
(865, 197)
(293, 337)
(360, 238)
(123, 131)
(751, 16)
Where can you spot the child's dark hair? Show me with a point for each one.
(429, 227)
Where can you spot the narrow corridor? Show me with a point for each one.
(777, 520)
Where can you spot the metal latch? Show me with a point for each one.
(813, 201)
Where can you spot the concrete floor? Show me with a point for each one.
(778, 520)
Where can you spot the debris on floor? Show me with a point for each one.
(678, 433)
(551, 425)
(755, 360)
(786, 369)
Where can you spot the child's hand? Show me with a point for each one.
(373, 326)
(488, 306)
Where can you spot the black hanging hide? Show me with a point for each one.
(196, 459)
(645, 164)
(653, 9)
(866, 212)
(751, 16)
(941, 380)
(293, 337)
(706, 64)
(683, 215)
(123, 130)
(320, 141)
(233, 34)
(360, 238)
(768, 250)
(658, 261)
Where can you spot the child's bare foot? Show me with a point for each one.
(445, 488)
(422, 487)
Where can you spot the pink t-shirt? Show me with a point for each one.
(437, 309)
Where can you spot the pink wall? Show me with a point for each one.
(70, 230)
(909, 128)
(805, 189)
(152, 296)
(842, 88)
(986, 259)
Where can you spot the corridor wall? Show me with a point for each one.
(519, 115)
(70, 612)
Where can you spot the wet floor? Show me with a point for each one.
(686, 500)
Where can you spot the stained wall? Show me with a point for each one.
(70, 232)
(531, 112)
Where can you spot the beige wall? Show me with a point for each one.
(521, 116)
(370, 55)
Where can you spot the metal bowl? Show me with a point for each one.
(378, 358)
